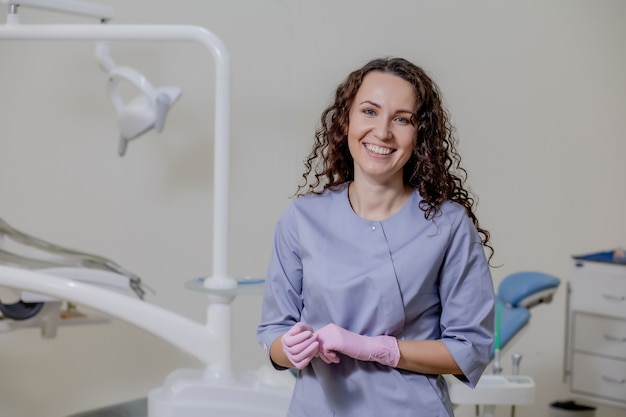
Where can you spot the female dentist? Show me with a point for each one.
(378, 283)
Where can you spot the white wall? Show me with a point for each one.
(535, 88)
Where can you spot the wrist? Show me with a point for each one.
(387, 352)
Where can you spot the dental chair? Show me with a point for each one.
(18, 249)
(516, 295)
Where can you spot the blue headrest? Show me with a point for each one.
(526, 289)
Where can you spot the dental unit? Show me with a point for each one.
(215, 389)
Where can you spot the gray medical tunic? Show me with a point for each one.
(405, 276)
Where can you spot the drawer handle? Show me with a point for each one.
(613, 297)
(614, 380)
(612, 338)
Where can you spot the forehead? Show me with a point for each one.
(387, 88)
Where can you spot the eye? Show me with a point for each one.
(369, 112)
(402, 120)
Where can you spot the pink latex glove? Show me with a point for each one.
(300, 344)
(333, 339)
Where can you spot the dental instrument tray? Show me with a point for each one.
(615, 256)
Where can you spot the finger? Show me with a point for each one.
(328, 356)
(324, 358)
(293, 340)
(311, 350)
(309, 346)
(307, 354)
(302, 364)
(300, 327)
(333, 357)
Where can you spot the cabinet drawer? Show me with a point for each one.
(600, 335)
(605, 378)
(598, 293)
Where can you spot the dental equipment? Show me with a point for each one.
(146, 111)
(517, 294)
(13, 31)
(19, 249)
(185, 393)
(516, 358)
(136, 117)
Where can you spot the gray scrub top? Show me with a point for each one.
(405, 276)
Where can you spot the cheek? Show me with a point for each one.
(408, 144)
(355, 133)
(358, 128)
(353, 142)
(405, 159)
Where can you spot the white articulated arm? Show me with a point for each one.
(191, 337)
(154, 33)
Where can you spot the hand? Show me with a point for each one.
(333, 339)
(300, 344)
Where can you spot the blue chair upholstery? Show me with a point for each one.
(527, 289)
(518, 293)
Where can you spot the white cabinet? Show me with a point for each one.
(595, 350)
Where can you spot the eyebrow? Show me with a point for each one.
(378, 106)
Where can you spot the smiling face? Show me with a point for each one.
(380, 129)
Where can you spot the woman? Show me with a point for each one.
(378, 282)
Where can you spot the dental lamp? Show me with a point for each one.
(143, 113)
(146, 111)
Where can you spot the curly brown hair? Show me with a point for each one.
(434, 168)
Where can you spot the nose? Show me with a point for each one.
(382, 129)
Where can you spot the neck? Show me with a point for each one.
(377, 202)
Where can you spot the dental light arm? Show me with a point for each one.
(103, 56)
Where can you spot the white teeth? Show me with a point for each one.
(378, 150)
